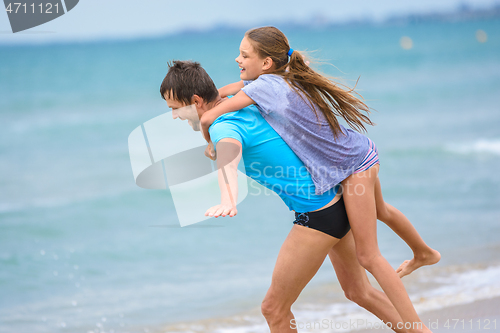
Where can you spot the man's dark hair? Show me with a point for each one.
(185, 79)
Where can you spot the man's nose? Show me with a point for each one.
(175, 115)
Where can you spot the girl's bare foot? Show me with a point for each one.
(408, 266)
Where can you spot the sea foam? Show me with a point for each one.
(481, 146)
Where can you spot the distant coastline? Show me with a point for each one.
(460, 14)
(317, 22)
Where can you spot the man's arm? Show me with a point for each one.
(231, 89)
(229, 155)
(239, 101)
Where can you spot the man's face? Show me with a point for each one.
(184, 112)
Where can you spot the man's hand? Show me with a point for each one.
(222, 210)
(210, 151)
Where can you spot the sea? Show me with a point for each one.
(84, 249)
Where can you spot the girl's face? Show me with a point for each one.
(251, 65)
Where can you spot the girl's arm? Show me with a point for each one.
(231, 89)
(239, 101)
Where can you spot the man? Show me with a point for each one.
(321, 227)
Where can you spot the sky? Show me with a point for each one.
(102, 19)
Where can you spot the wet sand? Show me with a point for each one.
(480, 316)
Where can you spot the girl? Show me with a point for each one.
(302, 106)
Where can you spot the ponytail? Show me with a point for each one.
(332, 99)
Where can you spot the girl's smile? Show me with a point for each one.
(250, 64)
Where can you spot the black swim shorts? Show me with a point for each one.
(332, 221)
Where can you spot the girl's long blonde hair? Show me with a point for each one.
(331, 98)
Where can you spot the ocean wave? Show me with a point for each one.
(60, 201)
(437, 288)
(11, 207)
(39, 203)
(482, 146)
(461, 288)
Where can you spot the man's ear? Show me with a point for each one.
(196, 100)
(268, 63)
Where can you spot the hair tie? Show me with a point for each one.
(290, 52)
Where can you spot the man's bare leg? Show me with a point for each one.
(300, 257)
(357, 287)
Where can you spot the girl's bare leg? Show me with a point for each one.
(359, 199)
(357, 287)
(399, 223)
(300, 257)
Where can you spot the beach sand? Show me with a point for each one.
(480, 316)
(475, 317)
(325, 304)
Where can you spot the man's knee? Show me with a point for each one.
(360, 295)
(271, 308)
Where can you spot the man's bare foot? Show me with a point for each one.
(408, 266)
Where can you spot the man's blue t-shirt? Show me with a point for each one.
(268, 159)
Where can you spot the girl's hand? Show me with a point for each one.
(231, 89)
(221, 92)
(205, 123)
(210, 151)
(224, 97)
(238, 102)
(222, 210)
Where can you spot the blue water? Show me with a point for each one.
(82, 248)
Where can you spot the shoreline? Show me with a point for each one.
(474, 317)
(463, 298)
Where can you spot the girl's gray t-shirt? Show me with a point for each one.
(329, 160)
